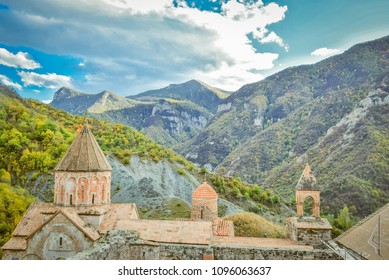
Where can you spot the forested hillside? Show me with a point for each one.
(333, 113)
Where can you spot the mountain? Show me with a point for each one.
(333, 113)
(166, 121)
(195, 91)
(170, 116)
(79, 103)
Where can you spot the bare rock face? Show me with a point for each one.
(149, 184)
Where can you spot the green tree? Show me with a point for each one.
(343, 221)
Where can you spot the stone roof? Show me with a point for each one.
(15, 243)
(84, 154)
(363, 237)
(204, 191)
(180, 232)
(259, 242)
(310, 223)
(116, 213)
(307, 180)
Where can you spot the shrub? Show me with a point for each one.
(181, 171)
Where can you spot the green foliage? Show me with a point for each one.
(181, 171)
(235, 189)
(343, 221)
(13, 203)
(118, 187)
(5, 177)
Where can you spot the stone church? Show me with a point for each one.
(82, 214)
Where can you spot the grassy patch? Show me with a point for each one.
(171, 209)
(253, 225)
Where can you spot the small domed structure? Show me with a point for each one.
(204, 203)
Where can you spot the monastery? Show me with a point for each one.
(82, 216)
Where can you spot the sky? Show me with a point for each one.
(130, 46)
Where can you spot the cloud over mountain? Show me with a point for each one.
(154, 42)
(50, 80)
(325, 52)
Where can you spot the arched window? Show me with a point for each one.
(71, 199)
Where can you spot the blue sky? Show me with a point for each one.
(129, 46)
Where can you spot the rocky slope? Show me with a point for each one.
(149, 184)
(170, 115)
(269, 126)
(166, 121)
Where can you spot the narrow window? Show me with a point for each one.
(71, 199)
(201, 214)
(82, 192)
(60, 242)
(93, 199)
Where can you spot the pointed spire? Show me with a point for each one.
(307, 171)
(84, 154)
(307, 180)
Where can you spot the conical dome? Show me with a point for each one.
(84, 154)
(204, 191)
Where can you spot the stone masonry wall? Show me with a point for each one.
(312, 237)
(124, 245)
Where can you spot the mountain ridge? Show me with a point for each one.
(195, 91)
(265, 126)
(166, 115)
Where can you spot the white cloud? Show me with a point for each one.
(6, 81)
(50, 80)
(18, 60)
(153, 40)
(47, 101)
(274, 38)
(325, 52)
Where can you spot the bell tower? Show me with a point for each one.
(306, 188)
(83, 175)
(308, 230)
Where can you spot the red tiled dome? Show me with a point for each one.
(204, 191)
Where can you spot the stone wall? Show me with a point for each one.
(82, 188)
(312, 237)
(309, 231)
(126, 245)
